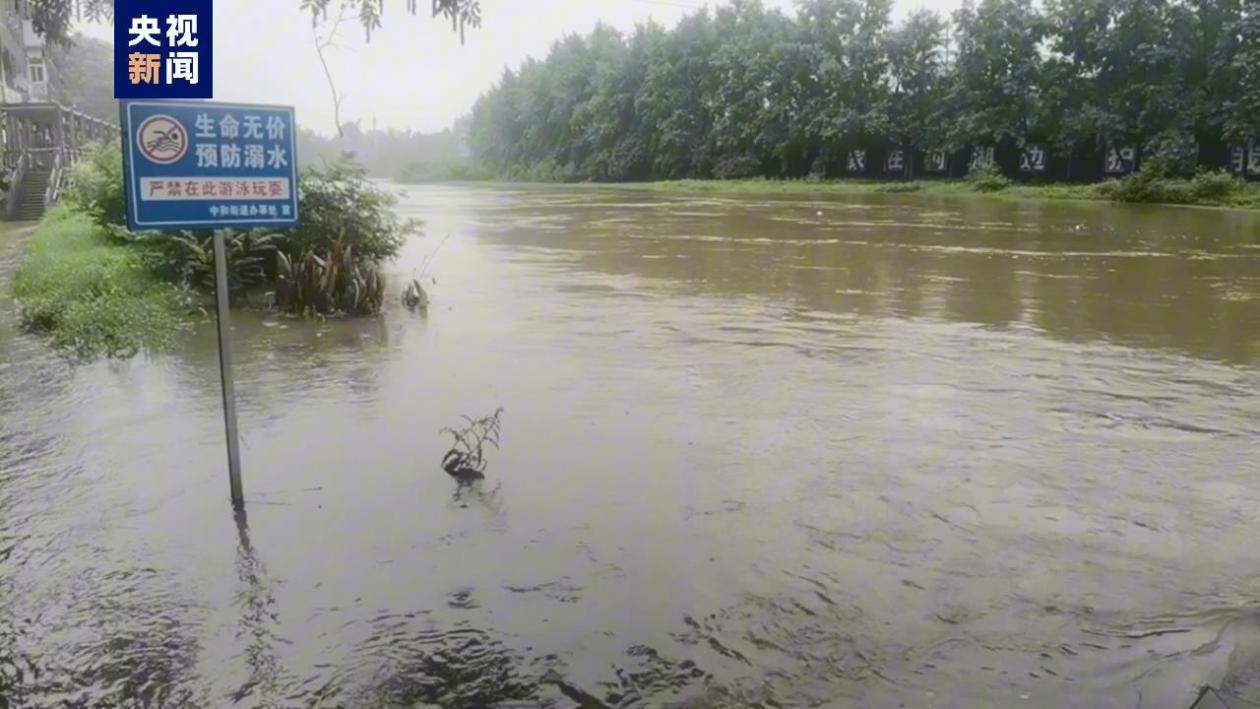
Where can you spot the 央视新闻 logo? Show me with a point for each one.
(163, 49)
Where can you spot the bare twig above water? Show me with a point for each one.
(322, 44)
(424, 265)
(414, 296)
(466, 459)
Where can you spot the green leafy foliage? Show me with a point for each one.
(53, 18)
(342, 211)
(95, 185)
(338, 204)
(189, 257)
(1217, 188)
(743, 91)
(94, 296)
(335, 283)
(987, 179)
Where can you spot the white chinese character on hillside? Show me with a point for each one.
(936, 161)
(896, 161)
(277, 157)
(229, 155)
(1032, 159)
(253, 127)
(229, 127)
(205, 126)
(255, 157)
(275, 128)
(1237, 159)
(181, 65)
(981, 158)
(856, 161)
(207, 155)
(181, 30)
(142, 30)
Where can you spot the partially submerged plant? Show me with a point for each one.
(415, 297)
(190, 257)
(466, 459)
(327, 285)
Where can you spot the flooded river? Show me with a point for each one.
(883, 451)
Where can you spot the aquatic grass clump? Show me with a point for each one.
(92, 296)
(334, 283)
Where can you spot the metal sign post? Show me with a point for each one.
(205, 165)
(225, 368)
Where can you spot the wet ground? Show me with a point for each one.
(884, 452)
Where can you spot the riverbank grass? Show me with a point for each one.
(1209, 189)
(92, 296)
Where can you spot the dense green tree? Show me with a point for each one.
(82, 77)
(1242, 105)
(996, 95)
(917, 72)
(54, 18)
(742, 90)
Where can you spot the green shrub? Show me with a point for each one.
(988, 179)
(338, 204)
(188, 257)
(1155, 188)
(1141, 187)
(93, 296)
(1217, 187)
(95, 185)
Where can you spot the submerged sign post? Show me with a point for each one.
(203, 165)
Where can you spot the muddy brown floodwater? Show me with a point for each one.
(880, 451)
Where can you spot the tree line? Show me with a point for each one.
(1085, 86)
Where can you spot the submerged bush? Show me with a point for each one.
(334, 283)
(189, 257)
(93, 296)
(338, 204)
(342, 211)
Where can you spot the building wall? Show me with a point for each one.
(19, 43)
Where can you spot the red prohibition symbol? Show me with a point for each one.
(162, 139)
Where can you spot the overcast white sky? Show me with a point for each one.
(414, 73)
